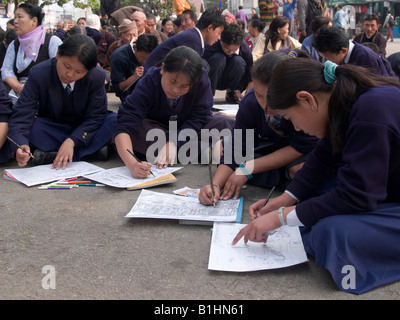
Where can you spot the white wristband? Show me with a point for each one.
(280, 216)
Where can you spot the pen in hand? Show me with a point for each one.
(138, 160)
(20, 147)
(269, 196)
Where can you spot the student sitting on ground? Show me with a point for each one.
(279, 150)
(62, 114)
(230, 62)
(346, 197)
(169, 100)
(335, 46)
(208, 30)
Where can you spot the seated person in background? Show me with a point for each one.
(230, 61)
(208, 30)
(102, 38)
(61, 116)
(151, 22)
(127, 64)
(335, 46)
(128, 33)
(317, 24)
(140, 19)
(33, 45)
(188, 19)
(371, 33)
(177, 25)
(279, 151)
(172, 99)
(5, 112)
(63, 28)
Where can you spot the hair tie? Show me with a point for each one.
(329, 71)
(292, 53)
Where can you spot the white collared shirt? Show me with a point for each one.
(72, 84)
(201, 37)
(347, 57)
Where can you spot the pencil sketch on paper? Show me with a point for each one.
(152, 204)
(282, 249)
(121, 177)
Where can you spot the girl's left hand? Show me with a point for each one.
(167, 155)
(257, 230)
(64, 154)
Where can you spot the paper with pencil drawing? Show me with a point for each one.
(152, 204)
(121, 177)
(43, 174)
(282, 249)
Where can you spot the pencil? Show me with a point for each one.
(269, 196)
(211, 175)
(23, 149)
(137, 159)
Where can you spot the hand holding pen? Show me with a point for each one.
(143, 169)
(22, 156)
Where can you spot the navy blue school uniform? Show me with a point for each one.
(148, 107)
(252, 120)
(123, 65)
(357, 222)
(45, 114)
(365, 57)
(5, 112)
(229, 72)
(190, 38)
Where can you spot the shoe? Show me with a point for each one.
(230, 97)
(102, 153)
(41, 157)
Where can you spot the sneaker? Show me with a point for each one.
(41, 157)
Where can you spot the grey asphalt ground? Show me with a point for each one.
(97, 253)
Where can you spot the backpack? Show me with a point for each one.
(391, 22)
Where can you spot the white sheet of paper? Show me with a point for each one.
(282, 249)
(152, 204)
(121, 177)
(226, 107)
(44, 173)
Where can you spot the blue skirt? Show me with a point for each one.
(361, 251)
(48, 136)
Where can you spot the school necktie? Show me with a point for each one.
(68, 89)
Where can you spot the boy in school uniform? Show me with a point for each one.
(335, 46)
(208, 30)
(230, 61)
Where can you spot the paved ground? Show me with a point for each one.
(97, 253)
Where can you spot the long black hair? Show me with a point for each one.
(294, 75)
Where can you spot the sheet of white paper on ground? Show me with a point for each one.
(121, 177)
(226, 107)
(152, 204)
(44, 173)
(282, 249)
